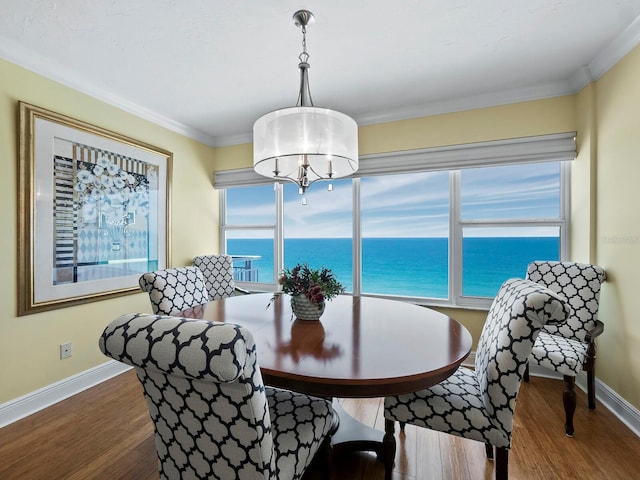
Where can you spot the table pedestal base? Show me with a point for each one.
(354, 436)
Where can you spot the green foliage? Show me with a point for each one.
(316, 285)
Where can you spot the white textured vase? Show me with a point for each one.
(304, 309)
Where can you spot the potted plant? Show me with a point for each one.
(309, 289)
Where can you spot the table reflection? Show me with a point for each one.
(308, 339)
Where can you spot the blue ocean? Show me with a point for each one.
(414, 267)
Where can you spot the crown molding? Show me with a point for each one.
(616, 50)
(228, 140)
(580, 78)
(490, 99)
(600, 64)
(17, 54)
(607, 57)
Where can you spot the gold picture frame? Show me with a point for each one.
(93, 211)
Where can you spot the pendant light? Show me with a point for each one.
(305, 143)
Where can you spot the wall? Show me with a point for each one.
(605, 226)
(618, 224)
(525, 119)
(540, 117)
(583, 179)
(29, 345)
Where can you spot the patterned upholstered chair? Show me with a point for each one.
(213, 416)
(174, 290)
(570, 348)
(218, 275)
(479, 404)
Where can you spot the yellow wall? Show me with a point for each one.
(604, 199)
(618, 224)
(583, 179)
(604, 192)
(555, 115)
(525, 119)
(29, 345)
(508, 121)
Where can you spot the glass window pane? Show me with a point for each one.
(492, 255)
(252, 252)
(405, 230)
(320, 232)
(513, 191)
(251, 205)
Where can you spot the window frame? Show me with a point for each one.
(545, 148)
(278, 236)
(457, 225)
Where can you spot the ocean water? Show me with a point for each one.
(414, 267)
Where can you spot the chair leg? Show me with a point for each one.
(590, 367)
(591, 388)
(526, 373)
(327, 460)
(569, 400)
(389, 448)
(489, 449)
(502, 463)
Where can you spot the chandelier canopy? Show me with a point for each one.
(304, 144)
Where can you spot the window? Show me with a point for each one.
(250, 238)
(446, 236)
(405, 234)
(509, 216)
(320, 233)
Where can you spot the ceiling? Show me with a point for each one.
(209, 69)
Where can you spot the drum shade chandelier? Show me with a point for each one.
(304, 144)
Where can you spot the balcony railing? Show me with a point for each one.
(243, 270)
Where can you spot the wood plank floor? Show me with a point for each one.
(105, 433)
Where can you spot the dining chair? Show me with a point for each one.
(570, 348)
(213, 416)
(174, 289)
(218, 275)
(479, 404)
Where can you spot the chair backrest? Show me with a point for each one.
(218, 274)
(579, 284)
(174, 289)
(518, 312)
(204, 392)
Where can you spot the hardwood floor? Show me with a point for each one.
(106, 433)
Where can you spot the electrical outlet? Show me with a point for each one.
(65, 350)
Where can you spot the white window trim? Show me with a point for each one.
(457, 225)
(278, 236)
(545, 148)
(541, 148)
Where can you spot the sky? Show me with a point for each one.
(408, 205)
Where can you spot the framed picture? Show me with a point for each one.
(93, 211)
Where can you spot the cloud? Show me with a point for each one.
(411, 205)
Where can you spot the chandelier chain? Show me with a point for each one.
(304, 56)
(305, 144)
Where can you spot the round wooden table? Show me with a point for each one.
(361, 347)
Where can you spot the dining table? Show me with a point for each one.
(361, 347)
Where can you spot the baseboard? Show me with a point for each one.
(626, 413)
(33, 402)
